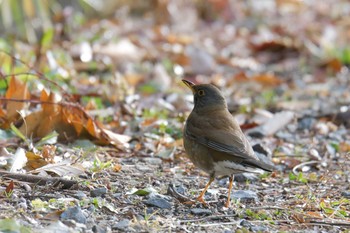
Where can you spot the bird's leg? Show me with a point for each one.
(229, 192)
(200, 198)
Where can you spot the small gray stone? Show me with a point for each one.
(91, 208)
(117, 195)
(264, 158)
(346, 194)
(306, 123)
(98, 229)
(200, 211)
(244, 177)
(80, 195)
(253, 227)
(98, 192)
(181, 189)
(75, 214)
(121, 225)
(158, 202)
(153, 161)
(261, 149)
(245, 195)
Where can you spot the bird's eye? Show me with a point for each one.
(201, 92)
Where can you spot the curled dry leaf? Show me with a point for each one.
(267, 79)
(35, 161)
(10, 187)
(70, 121)
(117, 167)
(18, 92)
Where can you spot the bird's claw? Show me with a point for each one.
(192, 202)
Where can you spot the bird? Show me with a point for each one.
(214, 141)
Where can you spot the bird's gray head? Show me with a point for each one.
(206, 96)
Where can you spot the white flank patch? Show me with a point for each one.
(224, 168)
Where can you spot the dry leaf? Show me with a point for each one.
(117, 167)
(16, 90)
(34, 161)
(10, 187)
(267, 79)
(19, 160)
(61, 169)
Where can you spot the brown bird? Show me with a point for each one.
(213, 140)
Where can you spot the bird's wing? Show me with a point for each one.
(223, 134)
(237, 147)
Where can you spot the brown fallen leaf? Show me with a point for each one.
(117, 167)
(10, 187)
(34, 161)
(267, 80)
(70, 121)
(299, 218)
(53, 216)
(18, 92)
(61, 169)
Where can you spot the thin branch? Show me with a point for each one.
(304, 164)
(207, 218)
(39, 180)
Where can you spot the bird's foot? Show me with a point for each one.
(192, 202)
(201, 200)
(189, 202)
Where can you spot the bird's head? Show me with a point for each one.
(206, 96)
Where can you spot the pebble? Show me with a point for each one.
(22, 202)
(264, 158)
(200, 211)
(261, 149)
(153, 161)
(98, 192)
(306, 123)
(80, 195)
(158, 202)
(346, 194)
(181, 189)
(98, 229)
(273, 125)
(74, 213)
(245, 195)
(244, 177)
(253, 227)
(121, 225)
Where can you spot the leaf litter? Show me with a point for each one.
(102, 112)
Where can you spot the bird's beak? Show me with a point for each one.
(189, 85)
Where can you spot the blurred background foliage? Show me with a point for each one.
(28, 20)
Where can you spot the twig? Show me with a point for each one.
(207, 218)
(341, 224)
(219, 224)
(39, 180)
(172, 191)
(268, 208)
(303, 164)
(61, 103)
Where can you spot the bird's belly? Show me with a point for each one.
(199, 155)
